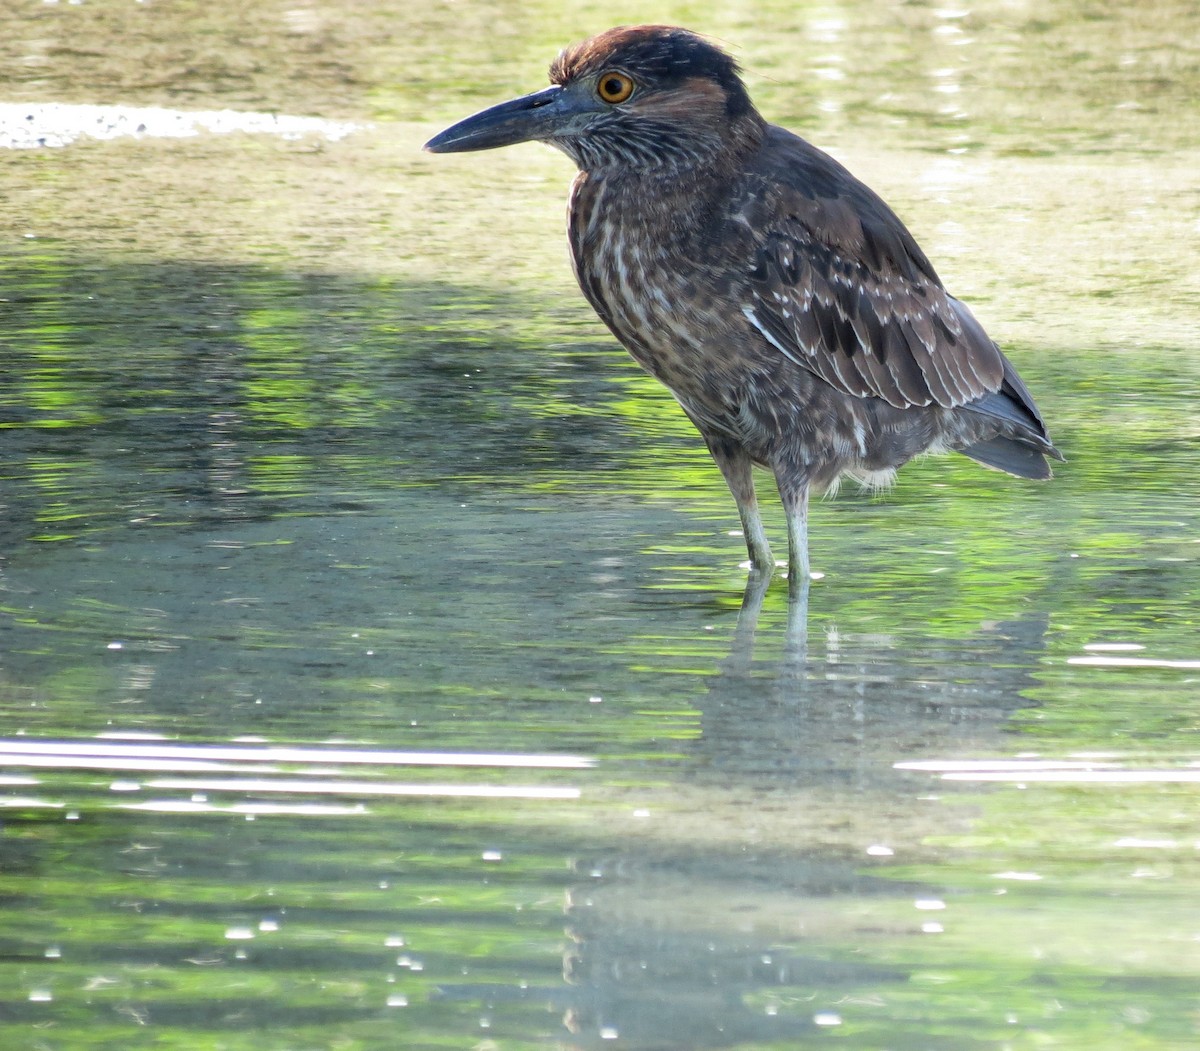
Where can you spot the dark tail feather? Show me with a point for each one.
(1024, 452)
(1008, 454)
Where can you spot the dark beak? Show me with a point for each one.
(542, 115)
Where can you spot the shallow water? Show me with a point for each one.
(371, 666)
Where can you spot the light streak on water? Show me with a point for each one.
(19, 751)
(1044, 771)
(310, 771)
(34, 125)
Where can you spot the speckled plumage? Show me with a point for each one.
(784, 304)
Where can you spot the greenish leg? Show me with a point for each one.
(737, 470)
(795, 506)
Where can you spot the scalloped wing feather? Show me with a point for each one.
(838, 285)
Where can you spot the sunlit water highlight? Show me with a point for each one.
(11, 750)
(25, 126)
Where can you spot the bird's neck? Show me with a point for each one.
(680, 190)
(662, 156)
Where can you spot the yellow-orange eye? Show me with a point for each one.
(614, 87)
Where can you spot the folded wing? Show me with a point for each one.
(838, 285)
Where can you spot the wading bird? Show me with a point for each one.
(786, 307)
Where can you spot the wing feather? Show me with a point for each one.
(838, 285)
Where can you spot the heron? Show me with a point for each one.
(786, 307)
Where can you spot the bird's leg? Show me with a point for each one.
(795, 505)
(736, 467)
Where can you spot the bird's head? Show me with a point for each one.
(635, 97)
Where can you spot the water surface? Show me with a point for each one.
(371, 666)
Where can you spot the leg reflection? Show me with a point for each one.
(741, 652)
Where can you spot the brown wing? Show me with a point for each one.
(838, 285)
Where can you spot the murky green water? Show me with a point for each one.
(371, 673)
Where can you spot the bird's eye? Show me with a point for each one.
(614, 87)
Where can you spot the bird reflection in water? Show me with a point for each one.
(742, 883)
(787, 308)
